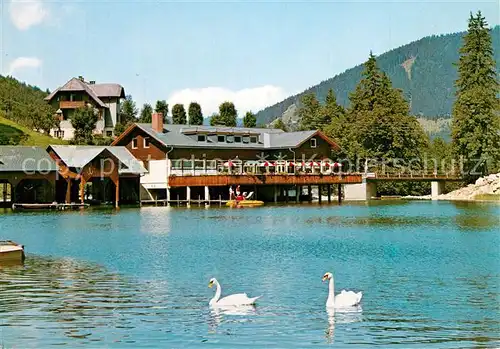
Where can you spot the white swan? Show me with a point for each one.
(343, 299)
(236, 299)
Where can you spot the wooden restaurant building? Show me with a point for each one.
(187, 162)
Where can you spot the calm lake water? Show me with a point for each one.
(137, 278)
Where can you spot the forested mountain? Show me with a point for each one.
(24, 104)
(425, 70)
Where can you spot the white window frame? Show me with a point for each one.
(313, 142)
(136, 143)
(144, 142)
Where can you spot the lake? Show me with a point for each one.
(137, 278)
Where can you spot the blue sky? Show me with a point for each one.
(254, 54)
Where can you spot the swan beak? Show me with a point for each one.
(324, 278)
(210, 284)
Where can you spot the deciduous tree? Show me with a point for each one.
(179, 115)
(162, 107)
(249, 120)
(195, 114)
(83, 121)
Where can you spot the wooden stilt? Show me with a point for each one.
(319, 193)
(298, 189)
(339, 190)
(309, 193)
(329, 187)
(82, 190)
(117, 192)
(68, 191)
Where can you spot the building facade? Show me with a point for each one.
(78, 93)
(170, 152)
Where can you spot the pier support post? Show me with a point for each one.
(275, 193)
(437, 189)
(117, 192)
(319, 193)
(298, 189)
(207, 196)
(82, 190)
(329, 188)
(339, 192)
(68, 191)
(188, 195)
(169, 196)
(309, 193)
(362, 191)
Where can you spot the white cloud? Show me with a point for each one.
(249, 99)
(21, 63)
(27, 13)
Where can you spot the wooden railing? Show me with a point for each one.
(71, 104)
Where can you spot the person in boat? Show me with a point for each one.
(231, 193)
(239, 197)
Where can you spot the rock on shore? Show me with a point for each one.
(484, 185)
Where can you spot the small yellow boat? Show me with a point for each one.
(244, 203)
(11, 252)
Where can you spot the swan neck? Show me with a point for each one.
(217, 291)
(331, 292)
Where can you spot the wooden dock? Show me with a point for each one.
(52, 206)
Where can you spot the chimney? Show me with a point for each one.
(157, 122)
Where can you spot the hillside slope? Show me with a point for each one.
(14, 134)
(423, 69)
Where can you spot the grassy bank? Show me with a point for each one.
(487, 197)
(15, 134)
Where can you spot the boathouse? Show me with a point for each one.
(96, 174)
(187, 162)
(27, 175)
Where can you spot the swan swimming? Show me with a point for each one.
(343, 299)
(236, 299)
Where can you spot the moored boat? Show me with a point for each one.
(11, 251)
(244, 203)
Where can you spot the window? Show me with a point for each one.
(246, 139)
(313, 142)
(202, 138)
(59, 134)
(134, 143)
(109, 133)
(221, 138)
(146, 142)
(253, 139)
(229, 139)
(237, 139)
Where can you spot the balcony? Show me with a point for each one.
(71, 104)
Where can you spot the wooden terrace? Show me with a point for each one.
(222, 180)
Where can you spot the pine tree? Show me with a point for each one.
(249, 120)
(378, 124)
(476, 112)
(179, 115)
(309, 112)
(146, 113)
(195, 114)
(279, 124)
(162, 107)
(228, 114)
(128, 111)
(215, 120)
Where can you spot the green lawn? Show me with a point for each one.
(21, 135)
(488, 197)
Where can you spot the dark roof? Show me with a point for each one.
(25, 159)
(178, 136)
(95, 91)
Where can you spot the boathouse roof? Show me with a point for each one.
(25, 159)
(78, 156)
